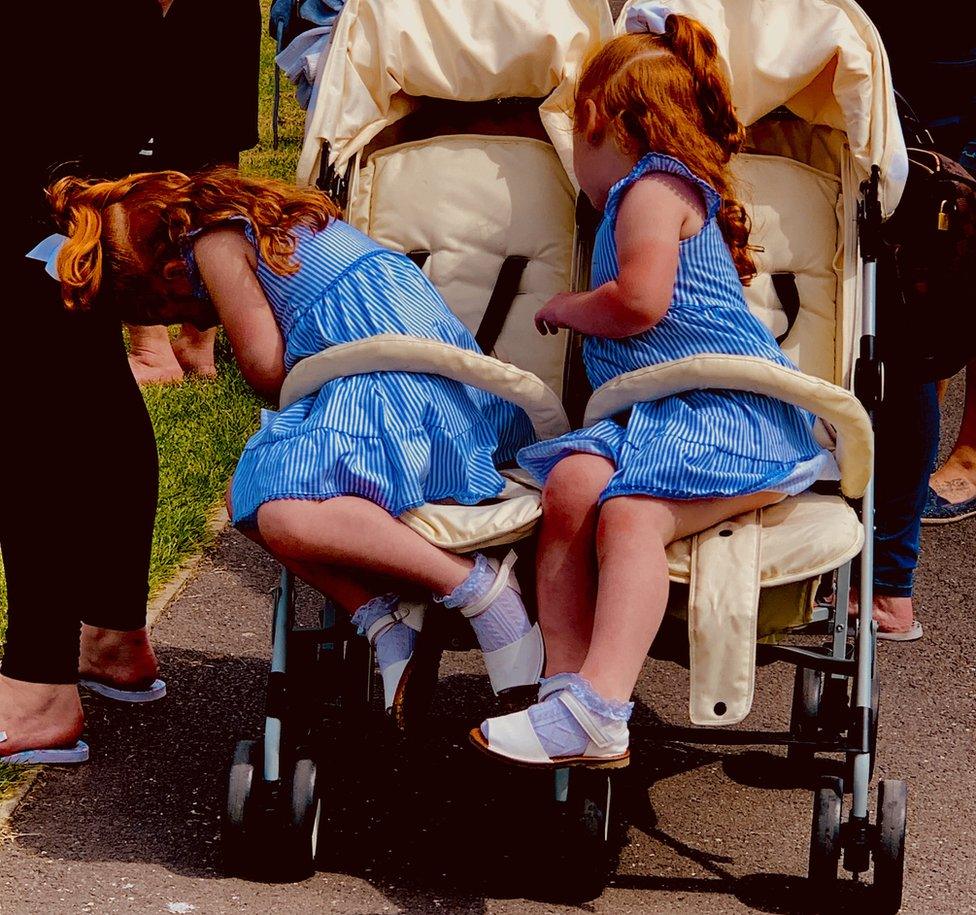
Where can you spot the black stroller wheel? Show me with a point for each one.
(889, 853)
(825, 845)
(808, 686)
(300, 828)
(239, 810)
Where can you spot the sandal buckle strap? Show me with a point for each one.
(498, 585)
(587, 721)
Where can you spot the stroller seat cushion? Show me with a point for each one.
(516, 200)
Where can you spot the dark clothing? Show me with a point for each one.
(78, 478)
(934, 67)
(208, 93)
(78, 472)
(907, 444)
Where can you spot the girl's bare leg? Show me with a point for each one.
(566, 570)
(354, 533)
(632, 535)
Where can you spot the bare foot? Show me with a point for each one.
(38, 716)
(892, 614)
(151, 357)
(122, 659)
(955, 480)
(194, 350)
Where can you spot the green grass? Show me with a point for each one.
(201, 426)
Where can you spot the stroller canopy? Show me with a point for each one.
(389, 54)
(821, 59)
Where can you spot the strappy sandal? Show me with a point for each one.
(512, 739)
(397, 675)
(519, 663)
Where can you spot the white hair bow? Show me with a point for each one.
(647, 17)
(48, 251)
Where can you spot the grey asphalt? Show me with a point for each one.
(430, 828)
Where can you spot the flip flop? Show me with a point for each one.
(910, 635)
(155, 691)
(63, 756)
(941, 511)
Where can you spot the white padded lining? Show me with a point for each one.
(471, 201)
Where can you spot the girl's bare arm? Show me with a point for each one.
(655, 214)
(228, 265)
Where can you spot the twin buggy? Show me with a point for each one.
(444, 130)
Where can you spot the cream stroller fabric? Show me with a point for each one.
(472, 199)
(386, 56)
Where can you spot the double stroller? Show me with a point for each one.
(445, 130)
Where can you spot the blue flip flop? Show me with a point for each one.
(156, 690)
(62, 756)
(940, 511)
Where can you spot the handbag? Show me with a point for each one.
(930, 325)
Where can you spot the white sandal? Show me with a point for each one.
(397, 675)
(519, 663)
(512, 739)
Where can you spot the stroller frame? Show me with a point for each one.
(274, 798)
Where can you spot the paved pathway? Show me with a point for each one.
(136, 829)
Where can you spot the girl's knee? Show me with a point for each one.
(573, 488)
(279, 530)
(637, 516)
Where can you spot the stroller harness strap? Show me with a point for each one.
(501, 301)
(723, 610)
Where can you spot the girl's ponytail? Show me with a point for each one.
(695, 46)
(78, 206)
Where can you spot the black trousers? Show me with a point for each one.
(78, 479)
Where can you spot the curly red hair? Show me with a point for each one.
(166, 206)
(667, 94)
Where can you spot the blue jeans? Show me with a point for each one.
(907, 445)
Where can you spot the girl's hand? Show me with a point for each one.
(552, 316)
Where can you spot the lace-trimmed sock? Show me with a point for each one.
(505, 621)
(558, 731)
(397, 642)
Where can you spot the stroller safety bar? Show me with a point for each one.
(402, 353)
(840, 408)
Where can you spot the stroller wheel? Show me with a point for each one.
(300, 827)
(808, 686)
(240, 809)
(825, 846)
(889, 853)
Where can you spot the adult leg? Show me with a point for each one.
(566, 568)
(194, 350)
(901, 487)
(955, 480)
(75, 537)
(151, 356)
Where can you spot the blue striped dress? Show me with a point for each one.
(699, 444)
(395, 438)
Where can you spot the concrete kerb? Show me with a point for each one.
(155, 609)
